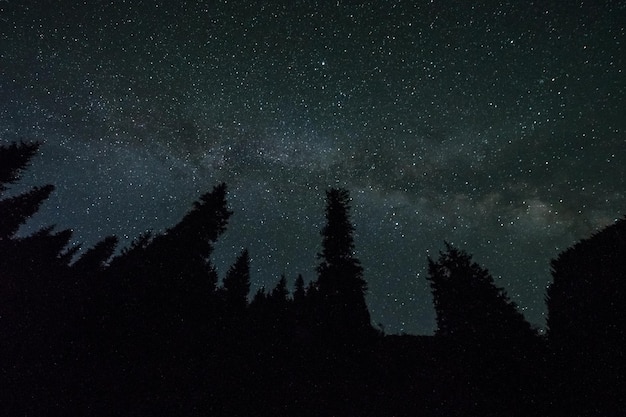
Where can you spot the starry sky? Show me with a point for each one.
(496, 125)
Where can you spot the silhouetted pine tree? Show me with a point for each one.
(270, 314)
(33, 269)
(302, 311)
(236, 284)
(492, 355)
(14, 159)
(260, 299)
(186, 249)
(17, 210)
(587, 322)
(587, 298)
(36, 331)
(171, 275)
(163, 304)
(191, 242)
(280, 293)
(15, 253)
(96, 258)
(280, 308)
(343, 310)
(312, 290)
(299, 291)
(469, 305)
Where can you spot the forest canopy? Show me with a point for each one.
(152, 329)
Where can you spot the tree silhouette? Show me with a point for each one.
(14, 159)
(340, 275)
(17, 210)
(280, 307)
(149, 331)
(172, 272)
(163, 304)
(36, 325)
(299, 291)
(259, 300)
(469, 305)
(492, 351)
(587, 320)
(189, 246)
(586, 299)
(33, 268)
(95, 258)
(271, 314)
(237, 284)
(280, 293)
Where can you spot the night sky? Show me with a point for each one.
(497, 126)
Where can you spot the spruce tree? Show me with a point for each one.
(341, 287)
(36, 264)
(14, 159)
(259, 300)
(469, 306)
(280, 293)
(161, 292)
(587, 322)
(36, 292)
(95, 258)
(491, 353)
(279, 301)
(236, 284)
(586, 299)
(18, 209)
(172, 271)
(299, 291)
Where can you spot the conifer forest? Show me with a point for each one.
(155, 329)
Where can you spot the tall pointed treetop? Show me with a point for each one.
(237, 282)
(340, 274)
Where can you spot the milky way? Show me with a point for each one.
(496, 126)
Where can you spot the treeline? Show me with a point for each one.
(152, 330)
